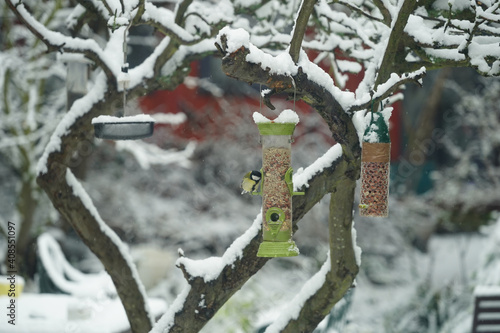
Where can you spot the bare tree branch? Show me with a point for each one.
(389, 87)
(358, 10)
(393, 44)
(180, 11)
(141, 8)
(300, 28)
(385, 12)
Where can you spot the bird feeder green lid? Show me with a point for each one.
(284, 124)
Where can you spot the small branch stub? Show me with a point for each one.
(375, 169)
(276, 193)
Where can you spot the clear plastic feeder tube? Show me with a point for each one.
(277, 190)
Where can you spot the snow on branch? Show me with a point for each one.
(80, 192)
(210, 269)
(230, 41)
(168, 68)
(149, 154)
(167, 320)
(56, 41)
(387, 88)
(164, 20)
(302, 176)
(461, 40)
(79, 108)
(354, 28)
(204, 17)
(308, 290)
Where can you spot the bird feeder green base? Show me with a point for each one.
(278, 249)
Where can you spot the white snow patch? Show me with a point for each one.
(295, 306)
(139, 118)
(302, 176)
(487, 291)
(285, 117)
(356, 248)
(349, 66)
(79, 108)
(167, 320)
(166, 18)
(117, 21)
(282, 64)
(322, 78)
(259, 118)
(80, 192)
(148, 154)
(236, 38)
(66, 277)
(170, 118)
(210, 268)
(58, 313)
(359, 121)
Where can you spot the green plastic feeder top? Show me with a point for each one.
(284, 124)
(377, 131)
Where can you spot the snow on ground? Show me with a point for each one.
(49, 313)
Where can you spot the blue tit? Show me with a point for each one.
(250, 181)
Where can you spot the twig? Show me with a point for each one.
(359, 10)
(181, 10)
(394, 40)
(300, 28)
(89, 53)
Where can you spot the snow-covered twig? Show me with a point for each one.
(56, 41)
(149, 154)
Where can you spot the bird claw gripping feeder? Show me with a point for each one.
(276, 184)
(125, 127)
(375, 166)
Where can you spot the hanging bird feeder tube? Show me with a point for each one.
(277, 188)
(375, 168)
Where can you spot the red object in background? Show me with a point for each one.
(207, 119)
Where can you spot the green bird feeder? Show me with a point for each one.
(277, 185)
(375, 168)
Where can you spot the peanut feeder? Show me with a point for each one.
(277, 186)
(375, 166)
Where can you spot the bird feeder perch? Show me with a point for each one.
(277, 185)
(375, 166)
